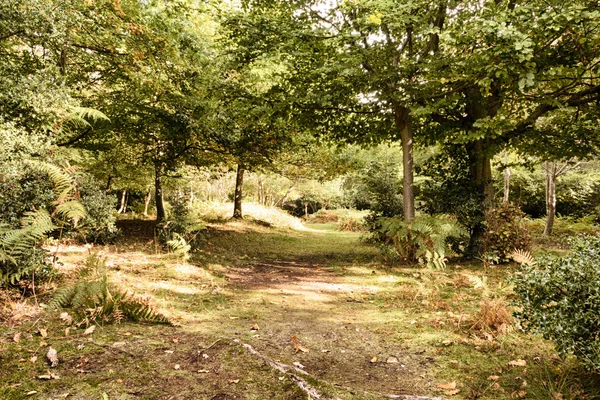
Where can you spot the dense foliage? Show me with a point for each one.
(560, 298)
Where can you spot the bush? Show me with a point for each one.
(181, 229)
(560, 299)
(425, 239)
(505, 231)
(101, 214)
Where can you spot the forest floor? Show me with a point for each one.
(263, 313)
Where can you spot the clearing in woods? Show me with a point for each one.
(263, 313)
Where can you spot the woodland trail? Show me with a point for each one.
(265, 313)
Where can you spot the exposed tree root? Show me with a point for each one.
(294, 373)
(291, 371)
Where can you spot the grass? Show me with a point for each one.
(368, 326)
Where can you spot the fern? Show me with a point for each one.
(16, 246)
(95, 299)
(423, 240)
(179, 246)
(79, 116)
(522, 257)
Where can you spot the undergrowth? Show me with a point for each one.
(95, 300)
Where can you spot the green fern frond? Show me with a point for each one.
(96, 300)
(179, 246)
(80, 116)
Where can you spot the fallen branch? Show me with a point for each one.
(294, 372)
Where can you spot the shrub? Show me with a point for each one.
(504, 232)
(181, 227)
(101, 214)
(560, 298)
(449, 188)
(423, 239)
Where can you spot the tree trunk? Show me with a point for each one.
(404, 125)
(147, 202)
(506, 197)
(551, 174)
(237, 198)
(123, 205)
(480, 171)
(108, 184)
(158, 194)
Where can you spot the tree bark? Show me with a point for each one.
(404, 125)
(237, 198)
(158, 194)
(551, 174)
(480, 171)
(123, 205)
(147, 202)
(506, 196)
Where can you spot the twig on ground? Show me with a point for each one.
(214, 343)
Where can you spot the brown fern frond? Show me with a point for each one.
(522, 257)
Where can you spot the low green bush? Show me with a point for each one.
(559, 298)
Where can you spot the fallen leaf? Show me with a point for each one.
(297, 346)
(522, 394)
(90, 330)
(205, 356)
(52, 356)
(452, 392)
(493, 378)
(177, 366)
(17, 337)
(373, 360)
(66, 317)
(33, 359)
(169, 351)
(255, 327)
(67, 331)
(234, 381)
(31, 393)
(43, 332)
(203, 371)
(392, 360)
(454, 362)
(447, 386)
(325, 351)
(175, 340)
(517, 363)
